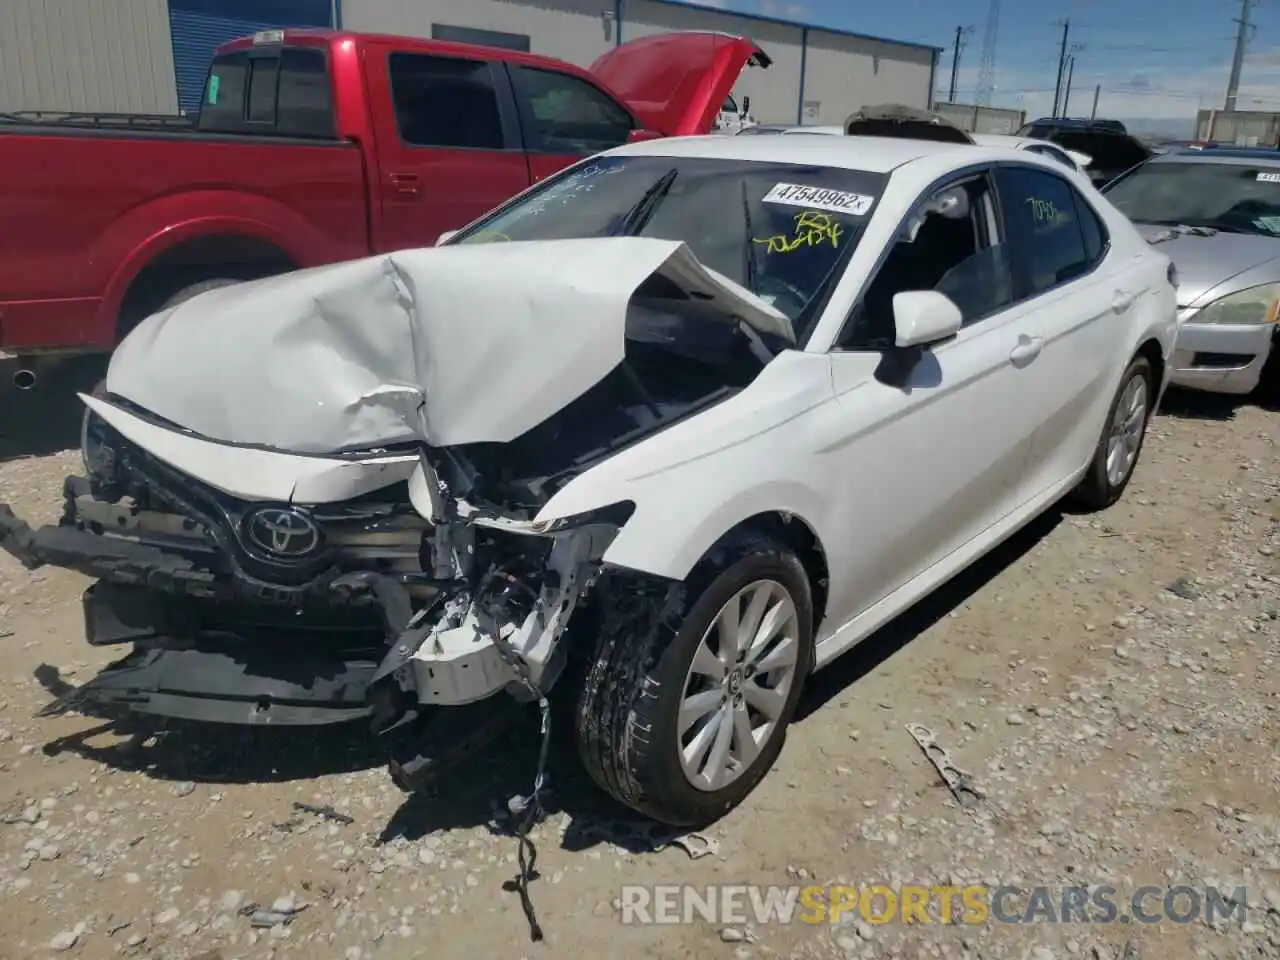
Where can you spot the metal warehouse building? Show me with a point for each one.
(150, 56)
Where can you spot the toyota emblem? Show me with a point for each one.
(282, 531)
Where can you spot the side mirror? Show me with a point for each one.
(447, 235)
(924, 317)
(640, 136)
(746, 105)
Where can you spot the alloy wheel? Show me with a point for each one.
(738, 684)
(1127, 425)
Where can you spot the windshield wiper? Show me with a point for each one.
(639, 215)
(749, 251)
(1174, 230)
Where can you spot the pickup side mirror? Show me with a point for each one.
(922, 318)
(640, 136)
(446, 236)
(746, 105)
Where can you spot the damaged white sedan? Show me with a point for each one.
(658, 438)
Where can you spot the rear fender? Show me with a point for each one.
(238, 214)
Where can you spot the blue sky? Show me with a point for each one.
(1159, 61)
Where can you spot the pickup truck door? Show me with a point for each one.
(564, 117)
(449, 146)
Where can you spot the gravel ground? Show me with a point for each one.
(1110, 681)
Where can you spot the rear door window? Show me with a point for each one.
(566, 114)
(446, 102)
(1042, 215)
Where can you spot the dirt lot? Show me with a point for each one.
(1110, 681)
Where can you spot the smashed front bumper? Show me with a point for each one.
(210, 641)
(235, 670)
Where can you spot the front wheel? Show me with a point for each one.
(1121, 442)
(681, 715)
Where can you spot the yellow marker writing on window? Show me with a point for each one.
(490, 236)
(812, 229)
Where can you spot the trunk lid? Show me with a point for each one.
(676, 83)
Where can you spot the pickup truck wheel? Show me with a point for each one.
(681, 714)
(186, 293)
(195, 289)
(1118, 448)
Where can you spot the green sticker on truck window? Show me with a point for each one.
(213, 89)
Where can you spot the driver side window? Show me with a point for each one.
(959, 253)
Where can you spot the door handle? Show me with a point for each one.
(405, 184)
(1028, 349)
(1122, 301)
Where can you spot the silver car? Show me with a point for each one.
(1216, 213)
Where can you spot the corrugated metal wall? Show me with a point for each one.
(573, 30)
(846, 73)
(841, 73)
(775, 92)
(108, 56)
(199, 27)
(978, 119)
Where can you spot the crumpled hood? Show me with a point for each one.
(1204, 263)
(446, 345)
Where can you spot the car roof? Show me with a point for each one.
(870, 154)
(1006, 140)
(1242, 156)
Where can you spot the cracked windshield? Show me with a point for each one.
(780, 230)
(1234, 198)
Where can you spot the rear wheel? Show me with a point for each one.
(1118, 448)
(681, 714)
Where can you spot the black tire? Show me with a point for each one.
(195, 289)
(1096, 491)
(628, 702)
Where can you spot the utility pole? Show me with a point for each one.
(1097, 92)
(1237, 61)
(961, 33)
(1072, 50)
(987, 66)
(1062, 63)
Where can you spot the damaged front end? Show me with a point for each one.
(302, 550)
(393, 603)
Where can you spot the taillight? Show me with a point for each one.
(1172, 275)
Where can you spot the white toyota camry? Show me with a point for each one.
(657, 438)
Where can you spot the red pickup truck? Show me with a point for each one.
(311, 146)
